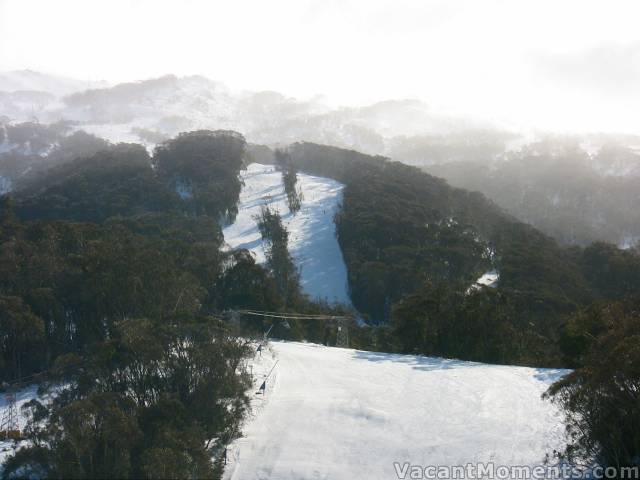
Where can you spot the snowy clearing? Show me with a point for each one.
(312, 240)
(23, 396)
(331, 413)
(489, 279)
(5, 185)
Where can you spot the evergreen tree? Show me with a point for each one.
(289, 179)
(279, 261)
(153, 401)
(601, 399)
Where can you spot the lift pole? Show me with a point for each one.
(9, 428)
(342, 322)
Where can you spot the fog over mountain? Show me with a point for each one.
(569, 66)
(331, 239)
(578, 188)
(170, 104)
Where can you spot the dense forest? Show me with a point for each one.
(601, 397)
(116, 284)
(414, 246)
(556, 306)
(557, 186)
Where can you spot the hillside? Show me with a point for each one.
(575, 199)
(155, 109)
(573, 194)
(413, 245)
(350, 414)
(319, 240)
(401, 246)
(312, 241)
(30, 80)
(129, 273)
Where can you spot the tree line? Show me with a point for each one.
(114, 285)
(421, 244)
(115, 246)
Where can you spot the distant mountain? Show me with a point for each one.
(29, 80)
(557, 186)
(470, 153)
(151, 110)
(26, 95)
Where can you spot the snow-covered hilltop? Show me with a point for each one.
(151, 110)
(312, 241)
(331, 413)
(593, 199)
(32, 81)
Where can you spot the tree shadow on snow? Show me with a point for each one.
(550, 375)
(418, 362)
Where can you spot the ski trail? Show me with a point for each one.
(312, 239)
(346, 414)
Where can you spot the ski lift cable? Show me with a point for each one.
(271, 371)
(293, 316)
(262, 312)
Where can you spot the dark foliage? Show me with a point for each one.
(205, 166)
(279, 261)
(601, 399)
(116, 181)
(475, 324)
(113, 269)
(116, 308)
(156, 400)
(289, 179)
(34, 148)
(404, 233)
(71, 283)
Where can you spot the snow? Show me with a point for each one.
(29, 80)
(6, 147)
(184, 190)
(331, 413)
(489, 279)
(23, 396)
(628, 241)
(115, 133)
(171, 105)
(5, 185)
(312, 240)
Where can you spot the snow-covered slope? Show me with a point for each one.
(312, 241)
(331, 413)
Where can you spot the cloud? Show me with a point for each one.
(466, 56)
(612, 70)
(389, 17)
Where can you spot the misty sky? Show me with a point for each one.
(563, 64)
